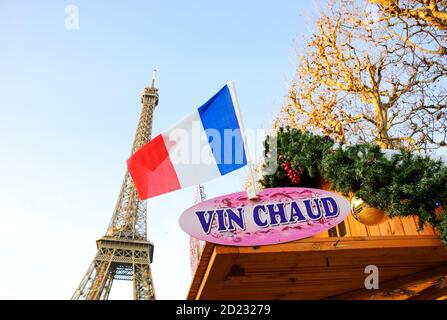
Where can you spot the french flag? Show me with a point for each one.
(205, 145)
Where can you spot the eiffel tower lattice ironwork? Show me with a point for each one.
(124, 253)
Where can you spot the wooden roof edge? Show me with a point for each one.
(346, 243)
(202, 266)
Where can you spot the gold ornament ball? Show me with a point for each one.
(365, 214)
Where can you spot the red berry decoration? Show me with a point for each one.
(293, 175)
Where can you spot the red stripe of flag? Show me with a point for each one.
(152, 170)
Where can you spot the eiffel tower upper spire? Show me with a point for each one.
(124, 252)
(129, 218)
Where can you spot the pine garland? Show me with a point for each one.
(303, 150)
(403, 184)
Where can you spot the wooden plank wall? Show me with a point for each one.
(390, 227)
(398, 226)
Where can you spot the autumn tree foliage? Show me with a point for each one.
(364, 77)
(421, 14)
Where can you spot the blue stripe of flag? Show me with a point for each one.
(217, 115)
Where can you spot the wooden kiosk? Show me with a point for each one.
(331, 265)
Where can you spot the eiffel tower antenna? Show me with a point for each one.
(154, 75)
(195, 245)
(124, 252)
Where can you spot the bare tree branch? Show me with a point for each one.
(356, 82)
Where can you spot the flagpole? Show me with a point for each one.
(252, 191)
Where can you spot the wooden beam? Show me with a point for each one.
(337, 244)
(406, 286)
(432, 293)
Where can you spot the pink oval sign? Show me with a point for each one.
(278, 215)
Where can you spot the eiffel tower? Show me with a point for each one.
(124, 253)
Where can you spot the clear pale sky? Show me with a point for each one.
(69, 105)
